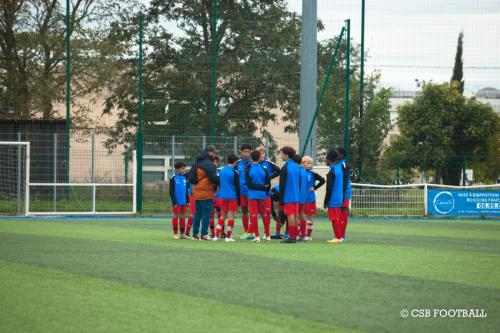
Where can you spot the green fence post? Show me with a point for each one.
(139, 125)
(347, 88)
(213, 26)
(68, 92)
(361, 90)
(464, 174)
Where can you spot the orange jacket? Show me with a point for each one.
(204, 189)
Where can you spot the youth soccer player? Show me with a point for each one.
(301, 222)
(280, 216)
(290, 191)
(314, 182)
(241, 166)
(335, 192)
(229, 194)
(344, 210)
(217, 201)
(258, 184)
(192, 210)
(178, 189)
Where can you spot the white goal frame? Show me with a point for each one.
(26, 171)
(28, 185)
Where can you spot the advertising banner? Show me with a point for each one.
(463, 203)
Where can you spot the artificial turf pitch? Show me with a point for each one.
(129, 275)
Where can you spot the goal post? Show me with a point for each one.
(15, 177)
(25, 193)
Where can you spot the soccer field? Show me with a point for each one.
(129, 275)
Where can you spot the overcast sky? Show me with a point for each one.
(416, 39)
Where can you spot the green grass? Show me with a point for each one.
(129, 275)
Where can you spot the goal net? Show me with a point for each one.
(41, 183)
(14, 177)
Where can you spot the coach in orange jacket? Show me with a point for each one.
(203, 176)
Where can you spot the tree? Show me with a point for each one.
(458, 68)
(367, 134)
(32, 44)
(257, 69)
(441, 129)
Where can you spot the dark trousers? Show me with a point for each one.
(203, 212)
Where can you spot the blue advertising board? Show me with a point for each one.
(463, 203)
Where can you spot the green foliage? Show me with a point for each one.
(33, 53)
(442, 130)
(257, 69)
(366, 136)
(458, 68)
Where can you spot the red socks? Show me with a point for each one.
(343, 219)
(244, 219)
(230, 226)
(303, 230)
(267, 225)
(220, 225)
(175, 224)
(254, 225)
(309, 228)
(337, 229)
(182, 225)
(292, 232)
(189, 224)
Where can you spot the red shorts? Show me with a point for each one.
(269, 202)
(179, 209)
(229, 205)
(192, 205)
(218, 202)
(334, 214)
(244, 201)
(346, 203)
(256, 206)
(310, 208)
(291, 208)
(301, 208)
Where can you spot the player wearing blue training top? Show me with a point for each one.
(335, 193)
(258, 184)
(344, 210)
(290, 191)
(314, 182)
(241, 166)
(229, 194)
(178, 190)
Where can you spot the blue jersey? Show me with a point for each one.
(217, 194)
(311, 196)
(348, 190)
(178, 189)
(257, 182)
(337, 186)
(271, 169)
(241, 166)
(290, 183)
(229, 180)
(303, 189)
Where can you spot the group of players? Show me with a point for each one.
(246, 182)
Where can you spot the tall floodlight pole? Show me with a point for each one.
(362, 88)
(213, 96)
(140, 140)
(308, 76)
(347, 89)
